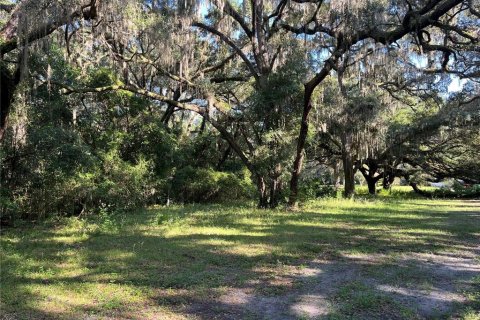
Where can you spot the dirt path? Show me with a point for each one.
(373, 286)
(444, 279)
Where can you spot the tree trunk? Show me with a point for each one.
(388, 180)
(273, 203)
(348, 166)
(349, 172)
(372, 184)
(336, 175)
(8, 84)
(415, 186)
(268, 193)
(262, 193)
(298, 163)
(302, 137)
(369, 174)
(167, 115)
(419, 191)
(224, 158)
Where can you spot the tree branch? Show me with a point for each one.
(9, 33)
(229, 42)
(230, 10)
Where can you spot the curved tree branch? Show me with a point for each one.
(230, 43)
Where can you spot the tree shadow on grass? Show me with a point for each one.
(133, 264)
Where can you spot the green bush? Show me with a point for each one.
(232, 187)
(458, 191)
(314, 189)
(206, 185)
(110, 184)
(117, 185)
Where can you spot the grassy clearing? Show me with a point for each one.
(163, 261)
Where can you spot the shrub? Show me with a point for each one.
(108, 185)
(458, 191)
(117, 185)
(314, 189)
(203, 185)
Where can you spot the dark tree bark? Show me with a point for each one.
(8, 84)
(388, 179)
(273, 201)
(167, 115)
(268, 193)
(349, 167)
(371, 175)
(224, 158)
(302, 137)
(349, 173)
(372, 186)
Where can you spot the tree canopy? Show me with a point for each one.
(195, 101)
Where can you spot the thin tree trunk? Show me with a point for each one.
(167, 115)
(224, 158)
(302, 136)
(415, 187)
(348, 166)
(298, 163)
(203, 125)
(262, 193)
(336, 175)
(349, 173)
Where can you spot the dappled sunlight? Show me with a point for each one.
(190, 261)
(213, 231)
(250, 250)
(431, 302)
(311, 306)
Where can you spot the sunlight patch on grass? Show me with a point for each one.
(119, 264)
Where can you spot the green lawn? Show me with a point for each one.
(334, 259)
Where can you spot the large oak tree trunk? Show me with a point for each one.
(349, 173)
(8, 84)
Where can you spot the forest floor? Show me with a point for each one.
(384, 258)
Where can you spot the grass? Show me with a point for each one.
(356, 298)
(162, 261)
